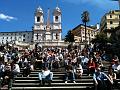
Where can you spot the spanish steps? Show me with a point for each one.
(58, 83)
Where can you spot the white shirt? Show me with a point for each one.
(46, 73)
(16, 68)
(2, 67)
(118, 67)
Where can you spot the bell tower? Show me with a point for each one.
(57, 24)
(39, 19)
(57, 18)
(38, 28)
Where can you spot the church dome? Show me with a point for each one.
(39, 9)
(58, 9)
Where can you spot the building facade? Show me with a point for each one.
(49, 31)
(110, 20)
(46, 33)
(11, 37)
(79, 33)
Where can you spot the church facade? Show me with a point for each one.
(46, 33)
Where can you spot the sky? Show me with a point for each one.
(18, 15)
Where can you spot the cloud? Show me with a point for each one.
(6, 17)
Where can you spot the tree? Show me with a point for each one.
(115, 41)
(101, 40)
(85, 19)
(69, 37)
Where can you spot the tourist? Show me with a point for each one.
(26, 69)
(7, 77)
(112, 76)
(79, 70)
(15, 69)
(116, 68)
(101, 80)
(70, 74)
(91, 66)
(45, 76)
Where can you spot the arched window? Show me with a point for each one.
(56, 18)
(38, 19)
(37, 36)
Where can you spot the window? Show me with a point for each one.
(37, 36)
(38, 19)
(23, 35)
(56, 18)
(3, 37)
(112, 12)
(111, 22)
(23, 39)
(6, 37)
(110, 16)
(56, 36)
(119, 16)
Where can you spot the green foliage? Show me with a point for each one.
(69, 37)
(101, 41)
(100, 38)
(85, 17)
(115, 41)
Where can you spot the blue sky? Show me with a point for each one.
(18, 15)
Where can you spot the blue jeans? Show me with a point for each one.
(70, 76)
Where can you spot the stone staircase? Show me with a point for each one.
(32, 82)
(58, 83)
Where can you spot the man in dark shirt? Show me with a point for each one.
(69, 74)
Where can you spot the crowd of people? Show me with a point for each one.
(72, 60)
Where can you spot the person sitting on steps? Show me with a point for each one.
(70, 74)
(45, 76)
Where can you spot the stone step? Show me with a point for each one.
(32, 82)
(52, 84)
(54, 88)
(54, 77)
(57, 80)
